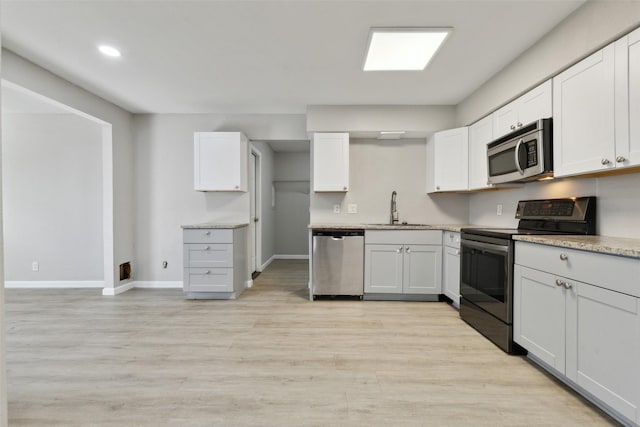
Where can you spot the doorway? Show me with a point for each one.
(255, 209)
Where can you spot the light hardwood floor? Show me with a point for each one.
(270, 358)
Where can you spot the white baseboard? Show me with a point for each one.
(166, 284)
(291, 256)
(118, 289)
(269, 261)
(53, 284)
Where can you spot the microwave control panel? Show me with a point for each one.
(532, 153)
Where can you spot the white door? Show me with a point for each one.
(422, 269)
(253, 219)
(452, 159)
(535, 105)
(627, 113)
(451, 274)
(383, 269)
(480, 134)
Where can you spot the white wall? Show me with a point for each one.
(376, 168)
(26, 74)
(3, 372)
(164, 179)
(590, 27)
(52, 197)
(292, 176)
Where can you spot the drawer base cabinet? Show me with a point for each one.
(585, 334)
(215, 263)
(451, 267)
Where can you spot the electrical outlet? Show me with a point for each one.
(35, 266)
(499, 209)
(352, 208)
(336, 209)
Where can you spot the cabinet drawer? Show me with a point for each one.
(207, 235)
(208, 279)
(212, 255)
(451, 239)
(612, 272)
(413, 237)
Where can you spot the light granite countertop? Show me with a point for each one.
(622, 246)
(217, 225)
(445, 227)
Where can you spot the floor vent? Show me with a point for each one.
(125, 271)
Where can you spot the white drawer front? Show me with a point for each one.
(451, 239)
(208, 279)
(413, 237)
(208, 255)
(620, 274)
(207, 235)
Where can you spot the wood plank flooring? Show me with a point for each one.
(270, 358)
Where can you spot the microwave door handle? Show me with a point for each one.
(517, 151)
(520, 142)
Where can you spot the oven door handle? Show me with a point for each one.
(517, 153)
(488, 246)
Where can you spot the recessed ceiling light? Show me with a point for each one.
(109, 51)
(401, 49)
(396, 134)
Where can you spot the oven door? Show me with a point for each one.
(486, 276)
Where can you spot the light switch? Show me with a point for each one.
(499, 209)
(352, 208)
(336, 209)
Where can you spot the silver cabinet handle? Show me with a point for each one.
(208, 233)
(620, 159)
(206, 248)
(399, 250)
(519, 124)
(408, 250)
(559, 282)
(564, 257)
(605, 161)
(567, 285)
(512, 127)
(207, 272)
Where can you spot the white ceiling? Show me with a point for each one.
(268, 56)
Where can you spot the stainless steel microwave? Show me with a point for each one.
(522, 155)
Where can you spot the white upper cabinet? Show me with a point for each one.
(448, 161)
(583, 115)
(220, 161)
(533, 105)
(627, 99)
(480, 134)
(330, 162)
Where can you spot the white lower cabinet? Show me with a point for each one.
(451, 266)
(587, 333)
(215, 262)
(403, 262)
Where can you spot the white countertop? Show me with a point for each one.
(622, 246)
(217, 225)
(445, 227)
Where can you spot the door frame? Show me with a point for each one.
(257, 198)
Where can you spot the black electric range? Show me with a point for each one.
(487, 258)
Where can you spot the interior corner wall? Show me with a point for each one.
(590, 27)
(291, 181)
(52, 197)
(166, 201)
(24, 73)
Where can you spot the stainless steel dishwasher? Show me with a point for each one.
(338, 262)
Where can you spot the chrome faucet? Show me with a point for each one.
(394, 209)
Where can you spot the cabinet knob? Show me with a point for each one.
(564, 257)
(208, 233)
(399, 249)
(237, 186)
(206, 248)
(620, 159)
(458, 252)
(519, 124)
(567, 285)
(207, 272)
(344, 188)
(559, 282)
(437, 187)
(605, 161)
(512, 127)
(408, 250)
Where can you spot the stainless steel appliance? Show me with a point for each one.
(487, 255)
(338, 262)
(522, 155)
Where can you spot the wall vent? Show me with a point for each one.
(125, 271)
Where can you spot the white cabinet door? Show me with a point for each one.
(480, 134)
(627, 113)
(422, 269)
(383, 269)
(451, 274)
(331, 162)
(539, 315)
(603, 345)
(583, 116)
(220, 161)
(448, 161)
(534, 105)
